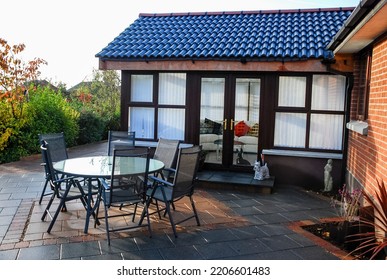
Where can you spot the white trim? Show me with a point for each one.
(358, 126)
(152, 144)
(290, 153)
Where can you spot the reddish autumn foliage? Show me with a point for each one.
(14, 74)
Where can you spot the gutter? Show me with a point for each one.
(359, 17)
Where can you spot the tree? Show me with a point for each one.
(105, 88)
(14, 74)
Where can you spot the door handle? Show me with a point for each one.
(232, 125)
(225, 124)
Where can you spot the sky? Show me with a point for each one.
(68, 34)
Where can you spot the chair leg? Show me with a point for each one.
(194, 210)
(158, 209)
(46, 211)
(146, 212)
(44, 191)
(107, 225)
(134, 212)
(168, 210)
(146, 204)
(96, 221)
(61, 204)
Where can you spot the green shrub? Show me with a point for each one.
(112, 123)
(45, 112)
(91, 127)
(49, 112)
(11, 148)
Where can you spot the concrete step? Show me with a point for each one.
(226, 180)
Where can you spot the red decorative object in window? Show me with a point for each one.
(241, 128)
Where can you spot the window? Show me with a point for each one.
(247, 98)
(292, 91)
(161, 114)
(142, 88)
(310, 112)
(212, 98)
(290, 130)
(142, 121)
(172, 88)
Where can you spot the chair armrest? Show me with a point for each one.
(104, 183)
(160, 181)
(64, 179)
(169, 169)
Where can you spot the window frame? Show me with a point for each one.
(154, 104)
(307, 109)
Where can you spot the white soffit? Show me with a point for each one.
(371, 27)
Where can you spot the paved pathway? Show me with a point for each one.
(234, 225)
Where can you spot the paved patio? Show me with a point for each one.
(234, 225)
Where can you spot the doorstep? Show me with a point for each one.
(227, 180)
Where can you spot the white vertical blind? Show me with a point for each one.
(328, 92)
(172, 88)
(326, 131)
(247, 97)
(141, 88)
(290, 130)
(292, 91)
(212, 99)
(142, 121)
(171, 123)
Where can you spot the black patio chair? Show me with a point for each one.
(65, 188)
(58, 152)
(182, 186)
(120, 140)
(166, 151)
(123, 192)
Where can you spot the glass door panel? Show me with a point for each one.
(211, 118)
(246, 121)
(229, 120)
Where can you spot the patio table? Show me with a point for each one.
(95, 167)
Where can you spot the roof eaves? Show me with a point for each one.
(248, 12)
(358, 14)
(242, 59)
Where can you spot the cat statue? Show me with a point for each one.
(261, 171)
(240, 160)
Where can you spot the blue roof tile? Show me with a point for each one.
(295, 34)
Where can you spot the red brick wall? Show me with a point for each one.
(367, 155)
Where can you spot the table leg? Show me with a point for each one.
(90, 209)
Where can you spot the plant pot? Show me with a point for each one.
(342, 232)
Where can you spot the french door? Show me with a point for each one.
(229, 120)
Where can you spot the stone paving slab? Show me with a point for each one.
(234, 224)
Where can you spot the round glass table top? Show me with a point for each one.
(101, 166)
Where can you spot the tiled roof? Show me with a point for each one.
(281, 34)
